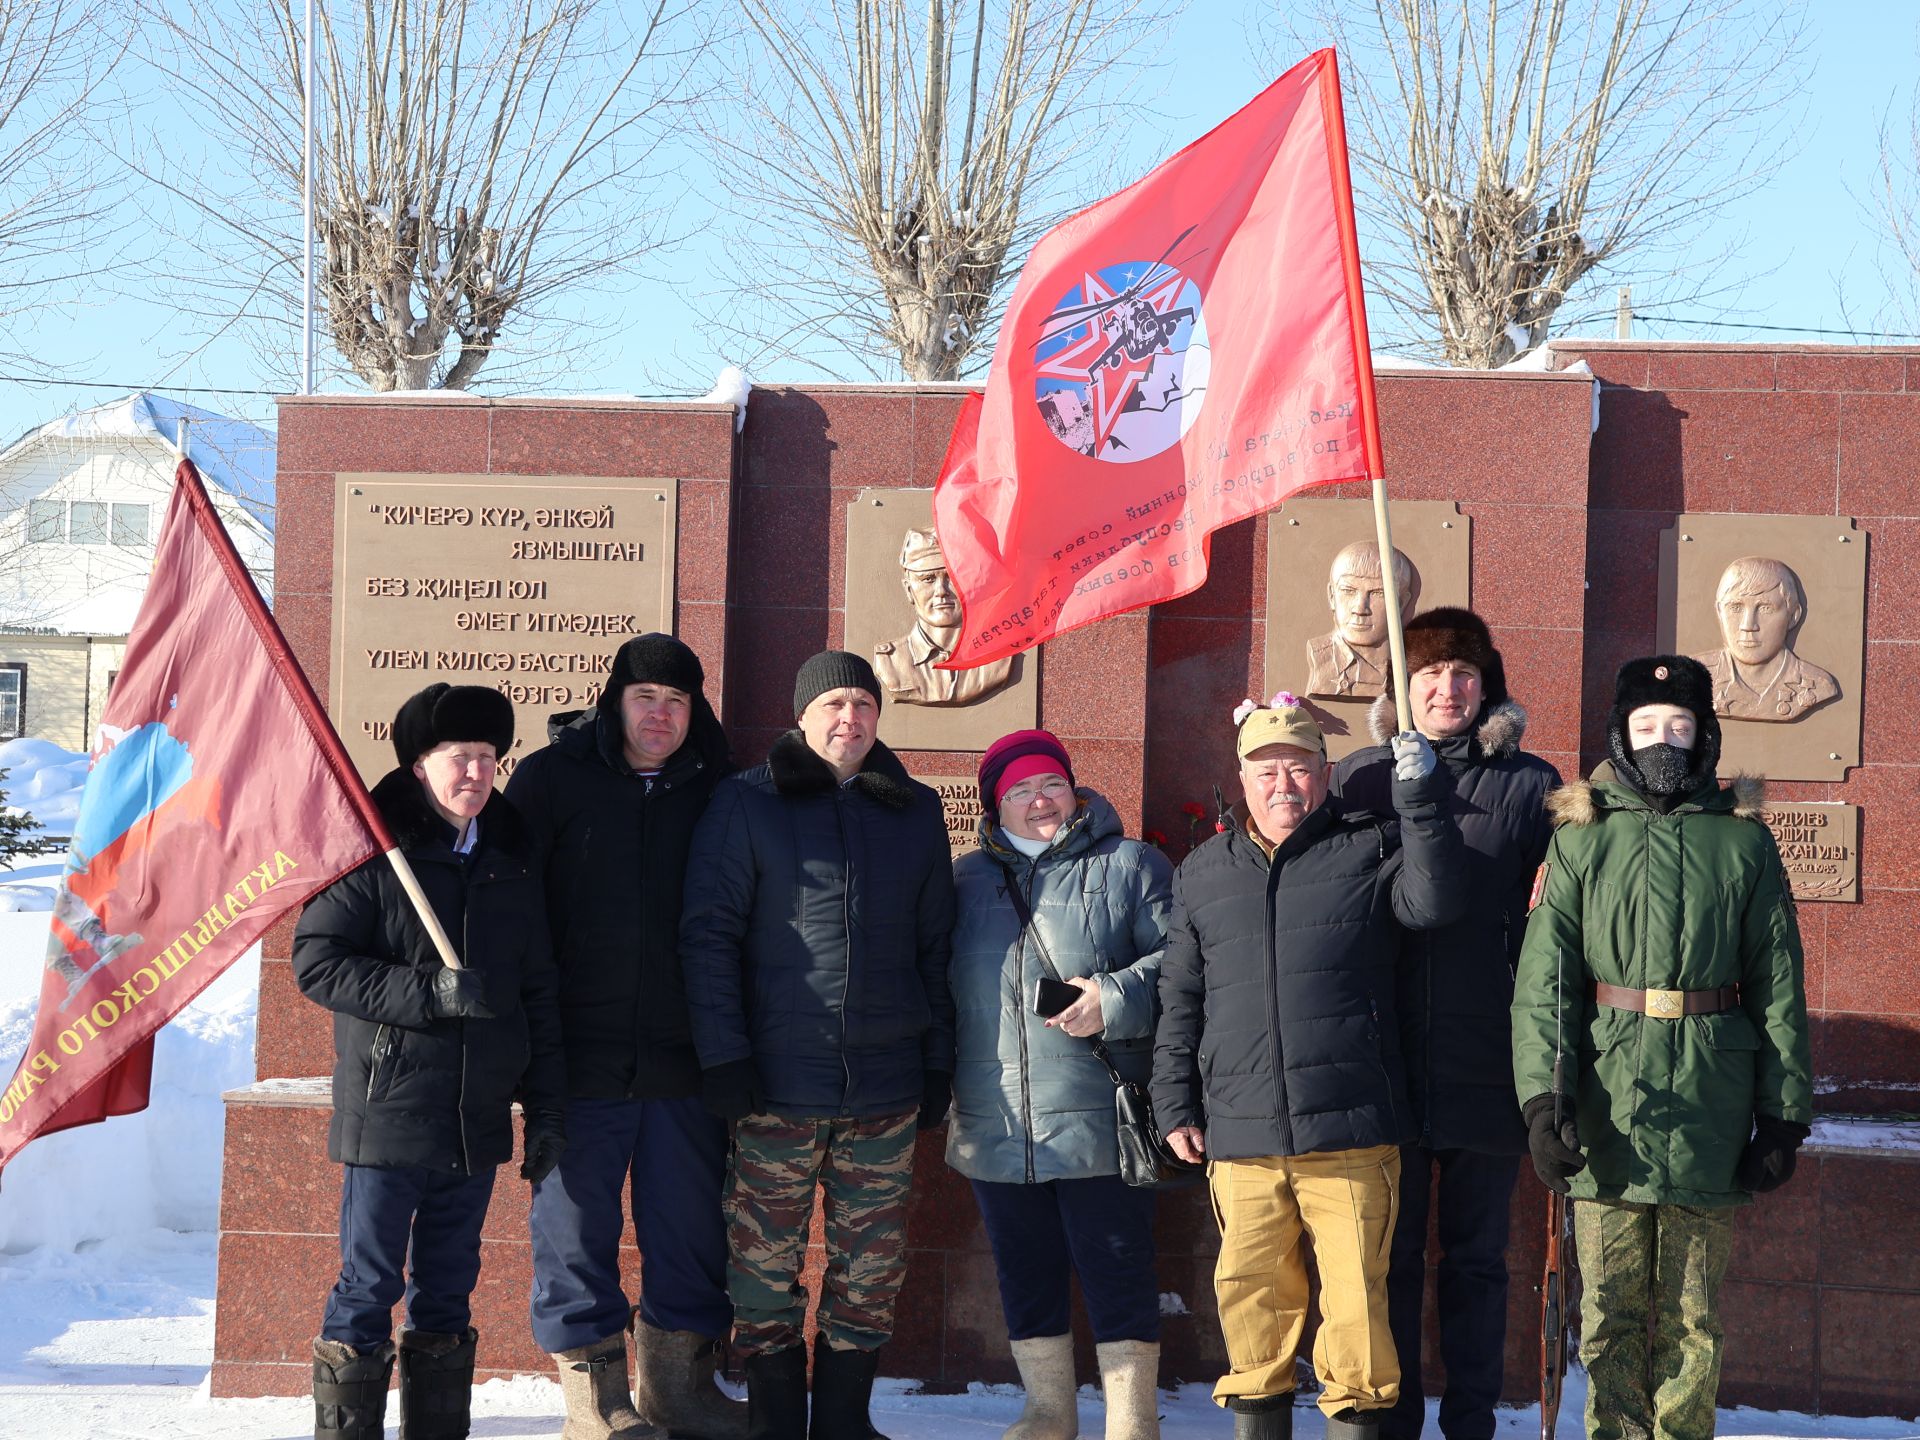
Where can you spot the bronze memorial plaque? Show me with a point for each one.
(904, 615)
(1775, 607)
(1326, 613)
(527, 585)
(960, 803)
(1820, 846)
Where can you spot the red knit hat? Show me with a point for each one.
(1020, 756)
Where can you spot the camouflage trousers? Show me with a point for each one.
(1650, 1317)
(863, 1169)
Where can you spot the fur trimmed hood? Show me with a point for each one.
(1576, 803)
(1499, 733)
(796, 770)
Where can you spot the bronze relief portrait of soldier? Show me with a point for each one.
(1353, 658)
(906, 664)
(1761, 605)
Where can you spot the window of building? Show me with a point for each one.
(87, 522)
(13, 700)
(46, 521)
(129, 524)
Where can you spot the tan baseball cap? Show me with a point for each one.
(1279, 725)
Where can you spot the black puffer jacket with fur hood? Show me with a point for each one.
(409, 1088)
(818, 922)
(1456, 983)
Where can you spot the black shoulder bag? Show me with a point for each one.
(1145, 1156)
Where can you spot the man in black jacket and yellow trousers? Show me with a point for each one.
(1277, 1057)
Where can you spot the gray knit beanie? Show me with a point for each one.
(833, 670)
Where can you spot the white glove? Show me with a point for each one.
(1413, 758)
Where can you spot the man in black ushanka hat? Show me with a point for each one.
(429, 1060)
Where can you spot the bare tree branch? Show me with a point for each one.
(1892, 210)
(896, 161)
(1517, 154)
(481, 166)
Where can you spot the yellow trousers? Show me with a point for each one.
(1344, 1203)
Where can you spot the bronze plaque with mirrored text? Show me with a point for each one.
(1820, 846)
(525, 585)
(960, 803)
(1775, 607)
(1326, 609)
(903, 614)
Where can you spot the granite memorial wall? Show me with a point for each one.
(516, 542)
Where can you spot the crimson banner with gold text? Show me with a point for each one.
(217, 799)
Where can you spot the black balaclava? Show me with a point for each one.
(1664, 773)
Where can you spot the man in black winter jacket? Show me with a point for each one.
(612, 803)
(429, 1060)
(1277, 1057)
(1456, 987)
(818, 921)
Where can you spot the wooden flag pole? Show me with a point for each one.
(1396, 641)
(411, 884)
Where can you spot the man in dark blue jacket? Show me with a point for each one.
(612, 803)
(819, 911)
(428, 1062)
(1277, 1035)
(1456, 987)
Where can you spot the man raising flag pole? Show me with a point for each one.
(1177, 357)
(218, 799)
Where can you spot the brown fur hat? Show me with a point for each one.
(1449, 632)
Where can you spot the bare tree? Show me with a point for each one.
(54, 57)
(1892, 208)
(1515, 153)
(894, 158)
(477, 162)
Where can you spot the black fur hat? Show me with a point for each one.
(653, 659)
(444, 712)
(1665, 680)
(1449, 632)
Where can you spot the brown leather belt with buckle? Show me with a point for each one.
(1668, 1004)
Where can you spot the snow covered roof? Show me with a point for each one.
(232, 455)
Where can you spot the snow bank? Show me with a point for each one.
(43, 780)
(133, 1174)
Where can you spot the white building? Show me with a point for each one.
(81, 502)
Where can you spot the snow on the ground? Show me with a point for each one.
(108, 1250)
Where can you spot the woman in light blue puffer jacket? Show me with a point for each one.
(1033, 1124)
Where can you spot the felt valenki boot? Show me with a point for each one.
(593, 1382)
(436, 1384)
(842, 1392)
(1130, 1375)
(350, 1390)
(1046, 1374)
(777, 1395)
(675, 1388)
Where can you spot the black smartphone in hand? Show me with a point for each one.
(1050, 996)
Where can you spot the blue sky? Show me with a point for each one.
(1805, 242)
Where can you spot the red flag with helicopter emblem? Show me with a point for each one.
(1179, 356)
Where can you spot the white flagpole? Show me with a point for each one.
(306, 218)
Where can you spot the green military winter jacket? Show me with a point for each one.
(1692, 900)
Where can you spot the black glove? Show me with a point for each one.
(546, 1135)
(1767, 1162)
(1557, 1157)
(459, 995)
(936, 1098)
(732, 1090)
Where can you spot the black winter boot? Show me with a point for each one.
(350, 1390)
(436, 1384)
(842, 1390)
(777, 1395)
(1262, 1417)
(1351, 1424)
